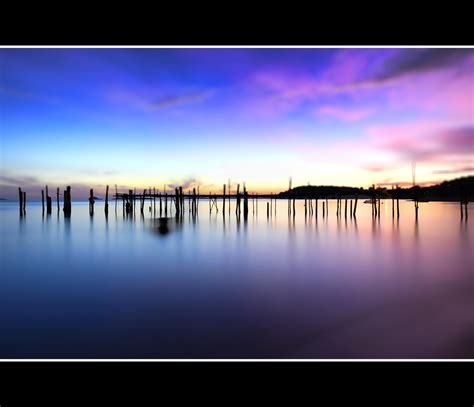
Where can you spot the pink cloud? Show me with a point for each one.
(423, 141)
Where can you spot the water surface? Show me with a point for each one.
(215, 287)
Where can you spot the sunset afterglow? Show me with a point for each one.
(150, 117)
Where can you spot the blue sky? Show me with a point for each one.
(155, 117)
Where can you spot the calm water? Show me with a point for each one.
(214, 287)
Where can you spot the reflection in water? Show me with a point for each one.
(270, 287)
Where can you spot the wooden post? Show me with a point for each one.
(398, 202)
(316, 207)
(116, 198)
(393, 203)
(57, 197)
(24, 203)
(166, 204)
(67, 202)
(268, 209)
(355, 204)
(91, 202)
(223, 200)
(345, 208)
(246, 203)
(305, 208)
(42, 199)
(177, 199)
(324, 210)
(106, 207)
(160, 205)
(134, 199)
(237, 208)
(351, 208)
(294, 210)
(48, 202)
(20, 201)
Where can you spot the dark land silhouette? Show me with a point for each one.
(446, 191)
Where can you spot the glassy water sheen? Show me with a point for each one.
(280, 287)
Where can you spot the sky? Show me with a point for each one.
(162, 117)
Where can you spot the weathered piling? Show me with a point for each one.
(393, 203)
(195, 201)
(160, 205)
(246, 203)
(57, 198)
(268, 209)
(294, 210)
(181, 198)
(324, 210)
(237, 207)
(67, 202)
(228, 183)
(398, 202)
(355, 204)
(290, 192)
(305, 208)
(416, 197)
(351, 209)
(49, 204)
(20, 200)
(91, 202)
(106, 207)
(176, 200)
(142, 201)
(42, 200)
(316, 208)
(166, 204)
(116, 197)
(24, 203)
(345, 208)
(134, 200)
(223, 200)
(130, 201)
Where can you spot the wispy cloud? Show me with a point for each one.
(18, 180)
(186, 183)
(462, 170)
(423, 141)
(145, 101)
(182, 99)
(409, 61)
(345, 114)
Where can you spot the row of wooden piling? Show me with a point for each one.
(129, 199)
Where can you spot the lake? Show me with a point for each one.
(215, 287)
